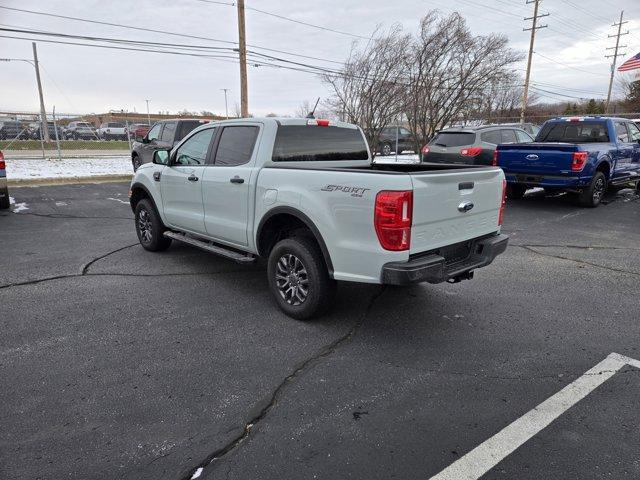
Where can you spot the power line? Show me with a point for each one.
(282, 17)
(567, 66)
(183, 35)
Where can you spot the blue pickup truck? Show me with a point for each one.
(582, 155)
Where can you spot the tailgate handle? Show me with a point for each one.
(465, 186)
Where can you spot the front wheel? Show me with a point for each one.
(592, 195)
(386, 149)
(136, 163)
(149, 227)
(298, 278)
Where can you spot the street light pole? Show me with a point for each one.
(226, 108)
(148, 117)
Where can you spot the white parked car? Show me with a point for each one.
(113, 131)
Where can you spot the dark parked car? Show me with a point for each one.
(387, 140)
(12, 129)
(164, 134)
(37, 133)
(471, 145)
(530, 128)
(4, 192)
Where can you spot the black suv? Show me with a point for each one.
(387, 140)
(164, 134)
(470, 145)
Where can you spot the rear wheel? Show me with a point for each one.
(149, 227)
(515, 191)
(298, 278)
(592, 195)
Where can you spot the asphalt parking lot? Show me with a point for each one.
(120, 363)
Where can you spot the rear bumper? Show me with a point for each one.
(433, 268)
(537, 180)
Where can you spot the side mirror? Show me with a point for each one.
(145, 139)
(161, 157)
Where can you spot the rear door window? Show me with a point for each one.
(168, 132)
(454, 139)
(310, 143)
(507, 136)
(154, 133)
(492, 137)
(573, 132)
(186, 126)
(236, 145)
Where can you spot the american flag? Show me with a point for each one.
(631, 64)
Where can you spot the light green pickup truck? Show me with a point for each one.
(304, 194)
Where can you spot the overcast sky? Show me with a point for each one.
(83, 80)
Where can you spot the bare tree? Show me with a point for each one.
(448, 71)
(369, 89)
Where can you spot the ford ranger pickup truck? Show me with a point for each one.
(582, 155)
(304, 195)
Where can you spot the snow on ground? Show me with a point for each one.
(18, 207)
(67, 167)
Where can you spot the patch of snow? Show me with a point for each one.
(197, 473)
(12, 200)
(23, 168)
(118, 200)
(19, 207)
(61, 204)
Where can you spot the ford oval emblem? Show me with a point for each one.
(532, 156)
(465, 207)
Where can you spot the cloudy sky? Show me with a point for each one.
(569, 60)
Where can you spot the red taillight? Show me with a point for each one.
(392, 219)
(3, 166)
(579, 161)
(495, 158)
(323, 123)
(471, 152)
(425, 149)
(503, 202)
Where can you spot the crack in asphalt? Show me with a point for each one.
(85, 267)
(64, 215)
(263, 409)
(579, 247)
(584, 262)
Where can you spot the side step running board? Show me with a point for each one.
(211, 247)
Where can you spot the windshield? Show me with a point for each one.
(84, 125)
(310, 143)
(454, 139)
(574, 132)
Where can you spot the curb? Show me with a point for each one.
(43, 182)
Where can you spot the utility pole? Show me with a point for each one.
(615, 56)
(226, 108)
(534, 27)
(244, 100)
(148, 117)
(43, 114)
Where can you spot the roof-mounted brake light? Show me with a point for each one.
(319, 122)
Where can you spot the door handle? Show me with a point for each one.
(192, 178)
(236, 179)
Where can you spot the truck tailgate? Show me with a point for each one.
(439, 199)
(537, 158)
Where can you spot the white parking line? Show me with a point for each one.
(489, 453)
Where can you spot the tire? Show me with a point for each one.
(75, 136)
(149, 227)
(515, 191)
(386, 149)
(136, 162)
(592, 195)
(300, 260)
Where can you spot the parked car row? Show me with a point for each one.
(15, 129)
(580, 155)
